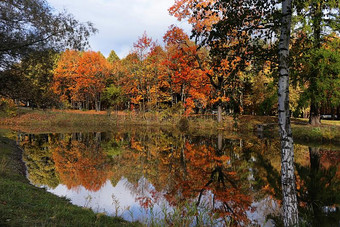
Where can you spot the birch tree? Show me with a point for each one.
(289, 200)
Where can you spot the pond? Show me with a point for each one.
(173, 178)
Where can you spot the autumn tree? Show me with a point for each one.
(288, 181)
(143, 69)
(186, 78)
(81, 77)
(233, 40)
(64, 75)
(145, 80)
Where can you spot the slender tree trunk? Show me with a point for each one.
(289, 200)
(314, 117)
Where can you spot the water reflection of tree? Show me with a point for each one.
(318, 188)
(186, 169)
(79, 160)
(318, 182)
(38, 159)
(211, 171)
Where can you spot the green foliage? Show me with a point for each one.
(113, 57)
(31, 79)
(32, 25)
(113, 147)
(39, 163)
(169, 113)
(328, 67)
(112, 96)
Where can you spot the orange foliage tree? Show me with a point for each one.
(80, 78)
(188, 80)
(232, 31)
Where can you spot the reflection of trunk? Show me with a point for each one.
(289, 200)
(219, 142)
(314, 189)
(314, 154)
(183, 160)
(219, 112)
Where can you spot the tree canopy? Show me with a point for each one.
(31, 25)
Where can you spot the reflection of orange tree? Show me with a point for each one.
(185, 170)
(207, 169)
(80, 164)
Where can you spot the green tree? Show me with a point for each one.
(112, 96)
(30, 80)
(113, 57)
(27, 25)
(314, 23)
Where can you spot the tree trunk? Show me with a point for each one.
(314, 117)
(289, 200)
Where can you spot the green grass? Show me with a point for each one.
(22, 204)
(324, 134)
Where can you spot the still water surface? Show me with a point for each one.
(157, 175)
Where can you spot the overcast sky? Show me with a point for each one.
(121, 22)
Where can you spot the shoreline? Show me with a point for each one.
(23, 204)
(68, 120)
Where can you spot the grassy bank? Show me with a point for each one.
(73, 120)
(22, 204)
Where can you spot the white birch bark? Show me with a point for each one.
(289, 200)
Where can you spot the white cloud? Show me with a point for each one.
(121, 22)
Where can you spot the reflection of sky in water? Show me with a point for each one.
(121, 201)
(118, 200)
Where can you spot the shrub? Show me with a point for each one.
(8, 107)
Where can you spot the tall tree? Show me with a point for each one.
(290, 208)
(27, 25)
(189, 81)
(314, 22)
(233, 40)
(234, 30)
